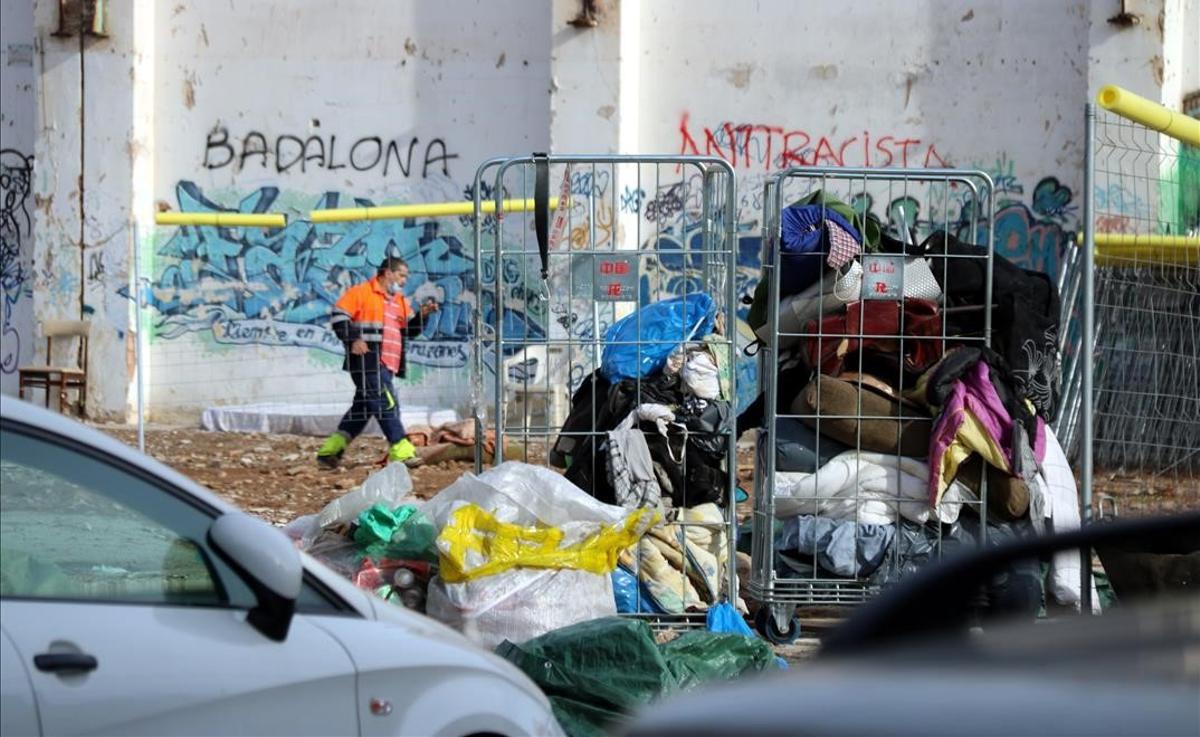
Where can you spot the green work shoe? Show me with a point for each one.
(404, 452)
(330, 453)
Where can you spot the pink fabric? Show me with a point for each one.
(975, 393)
(843, 246)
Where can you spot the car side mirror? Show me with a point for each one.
(267, 561)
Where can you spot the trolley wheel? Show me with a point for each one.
(765, 623)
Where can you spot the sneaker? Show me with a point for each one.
(404, 452)
(330, 453)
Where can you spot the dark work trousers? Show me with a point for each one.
(374, 396)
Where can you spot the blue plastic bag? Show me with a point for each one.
(664, 325)
(626, 589)
(724, 618)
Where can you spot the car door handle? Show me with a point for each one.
(57, 662)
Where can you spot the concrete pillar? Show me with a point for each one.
(17, 81)
(95, 133)
(585, 79)
(1127, 50)
(58, 181)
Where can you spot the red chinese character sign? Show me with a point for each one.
(883, 277)
(616, 278)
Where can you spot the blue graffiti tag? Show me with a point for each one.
(277, 286)
(632, 199)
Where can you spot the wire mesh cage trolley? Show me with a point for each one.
(864, 322)
(604, 349)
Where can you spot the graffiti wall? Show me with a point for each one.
(384, 107)
(404, 111)
(234, 298)
(16, 193)
(277, 287)
(16, 225)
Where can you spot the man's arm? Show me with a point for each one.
(417, 324)
(342, 323)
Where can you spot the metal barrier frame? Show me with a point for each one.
(780, 596)
(1109, 247)
(719, 203)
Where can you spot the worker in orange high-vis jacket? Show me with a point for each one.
(373, 319)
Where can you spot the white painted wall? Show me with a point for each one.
(57, 276)
(996, 86)
(395, 103)
(290, 106)
(18, 76)
(1181, 50)
(1129, 56)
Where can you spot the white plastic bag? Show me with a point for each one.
(389, 485)
(523, 494)
(521, 603)
(919, 282)
(700, 374)
(303, 530)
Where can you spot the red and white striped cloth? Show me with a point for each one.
(396, 314)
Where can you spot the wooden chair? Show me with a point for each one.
(60, 379)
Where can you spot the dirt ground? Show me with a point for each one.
(277, 478)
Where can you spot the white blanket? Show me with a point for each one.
(1056, 497)
(877, 485)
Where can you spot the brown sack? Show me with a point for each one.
(1007, 496)
(838, 413)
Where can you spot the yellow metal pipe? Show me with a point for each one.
(1115, 249)
(1150, 114)
(1142, 240)
(426, 210)
(228, 219)
(1181, 257)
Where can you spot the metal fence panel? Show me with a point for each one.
(1145, 227)
(809, 346)
(629, 231)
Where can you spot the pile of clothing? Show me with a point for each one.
(893, 413)
(651, 429)
(677, 567)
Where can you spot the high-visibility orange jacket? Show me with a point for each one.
(368, 313)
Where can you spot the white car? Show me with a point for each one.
(134, 601)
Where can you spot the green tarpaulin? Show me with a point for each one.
(595, 672)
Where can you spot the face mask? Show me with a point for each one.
(395, 288)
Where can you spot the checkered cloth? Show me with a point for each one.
(843, 246)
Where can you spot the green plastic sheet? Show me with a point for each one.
(402, 533)
(598, 671)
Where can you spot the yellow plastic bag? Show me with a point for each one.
(475, 544)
